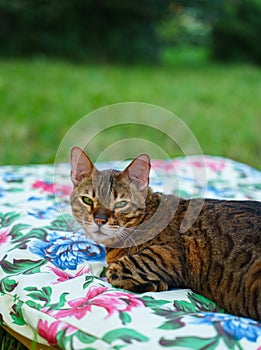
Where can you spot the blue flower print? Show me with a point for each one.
(13, 177)
(240, 327)
(237, 327)
(48, 213)
(67, 250)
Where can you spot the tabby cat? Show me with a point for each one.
(218, 255)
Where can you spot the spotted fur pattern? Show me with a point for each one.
(218, 256)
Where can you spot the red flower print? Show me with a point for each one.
(98, 296)
(4, 236)
(49, 332)
(216, 165)
(50, 187)
(164, 165)
(65, 276)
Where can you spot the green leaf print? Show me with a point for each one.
(44, 295)
(7, 285)
(174, 323)
(125, 317)
(23, 266)
(191, 342)
(230, 342)
(6, 219)
(85, 338)
(61, 302)
(173, 318)
(16, 231)
(35, 233)
(153, 303)
(15, 189)
(125, 334)
(64, 339)
(23, 239)
(181, 193)
(88, 280)
(203, 304)
(184, 306)
(64, 223)
(39, 295)
(17, 314)
(34, 305)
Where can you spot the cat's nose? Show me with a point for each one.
(100, 219)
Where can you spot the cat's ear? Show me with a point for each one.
(81, 165)
(138, 171)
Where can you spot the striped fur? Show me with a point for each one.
(218, 256)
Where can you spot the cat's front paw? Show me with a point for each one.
(132, 280)
(115, 275)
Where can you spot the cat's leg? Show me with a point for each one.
(130, 272)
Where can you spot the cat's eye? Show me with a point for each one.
(87, 200)
(120, 204)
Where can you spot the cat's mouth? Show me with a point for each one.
(106, 236)
(100, 231)
(110, 236)
(100, 234)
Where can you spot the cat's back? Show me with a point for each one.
(242, 206)
(223, 255)
(237, 218)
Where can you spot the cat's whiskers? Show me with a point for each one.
(127, 234)
(85, 225)
(127, 239)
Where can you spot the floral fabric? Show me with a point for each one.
(52, 284)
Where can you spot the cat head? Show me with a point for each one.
(108, 203)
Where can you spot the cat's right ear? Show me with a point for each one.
(81, 165)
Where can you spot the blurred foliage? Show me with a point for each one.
(184, 27)
(95, 29)
(231, 28)
(129, 30)
(236, 33)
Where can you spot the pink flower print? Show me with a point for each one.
(4, 236)
(50, 187)
(164, 165)
(65, 276)
(44, 186)
(49, 332)
(112, 302)
(216, 165)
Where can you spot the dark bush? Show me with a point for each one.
(236, 34)
(98, 29)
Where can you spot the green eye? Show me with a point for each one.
(120, 204)
(87, 200)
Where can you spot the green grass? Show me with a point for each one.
(7, 342)
(41, 99)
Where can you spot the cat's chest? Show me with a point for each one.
(114, 254)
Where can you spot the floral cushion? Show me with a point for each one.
(52, 285)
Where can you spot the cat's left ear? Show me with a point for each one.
(139, 170)
(81, 165)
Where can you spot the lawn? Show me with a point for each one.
(41, 99)
(7, 342)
